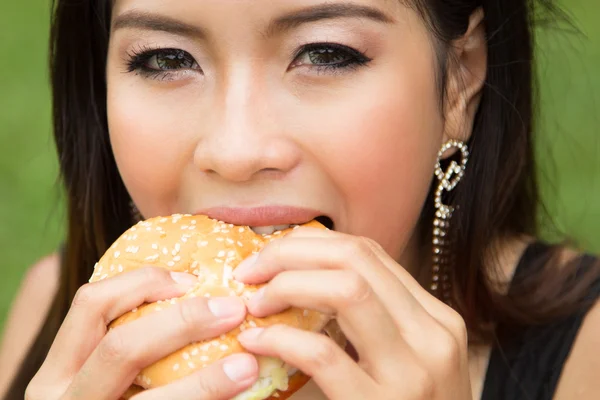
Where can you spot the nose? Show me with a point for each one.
(242, 138)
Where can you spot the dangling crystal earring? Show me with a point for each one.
(135, 213)
(441, 286)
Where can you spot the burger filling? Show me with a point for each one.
(274, 375)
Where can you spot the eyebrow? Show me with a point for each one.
(154, 22)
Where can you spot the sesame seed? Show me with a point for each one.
(165, 251)
(195, 352)
(171, 264)
(117, 254)
(191, 365)
(186, 356)
(112, 268)
(240, 244)
(204, 358)
(193, 222)
(134, 310)
(221, 254)
(163, 220)
(241, 230)
(177, 247)
(177, 258)
(230, 241)
(224, 347)
(220, 239)
(154, 246)
(204, 243)
(120, 268)
(252, 324)
(104, 276)
(175, 367)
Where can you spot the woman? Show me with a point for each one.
(408, 124)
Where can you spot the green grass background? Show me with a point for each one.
(31, 213)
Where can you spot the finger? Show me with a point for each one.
(411, 310)
(436, 308)
(336, 252)
(96, 304)
(127, 349)
(219, 381)
(365, 321)
(315, 355)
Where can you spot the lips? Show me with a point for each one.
(266, 219)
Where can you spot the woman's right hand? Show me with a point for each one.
(87, 362)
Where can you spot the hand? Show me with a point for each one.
(410, 345)
(86, 362)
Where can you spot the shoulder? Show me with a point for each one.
(581, 371)
(27, 313)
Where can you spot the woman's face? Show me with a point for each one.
(229, 105)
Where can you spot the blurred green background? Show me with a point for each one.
(31, 213)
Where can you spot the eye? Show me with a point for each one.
(161, 62)
(329, 56)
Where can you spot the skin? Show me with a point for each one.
(249, 125)
(243, 123)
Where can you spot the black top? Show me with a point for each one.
(529, 367)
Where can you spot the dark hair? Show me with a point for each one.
(498, 197)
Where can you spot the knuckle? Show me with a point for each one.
(112, 348)
(154, 274)
(422, 384)
(192, 314)
(457, 325)
(210, 387)
(84, 296)
(323, 355)
(354, 289)
(360, 246)
(446, 351)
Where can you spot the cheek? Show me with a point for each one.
(149, 142)
(381, 153)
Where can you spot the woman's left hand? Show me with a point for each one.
(411, 346)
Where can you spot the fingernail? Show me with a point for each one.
(244, 268)
(224, 307)
(250, 335)
(240, 368)
(186, 280)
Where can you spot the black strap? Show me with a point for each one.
(530, 365)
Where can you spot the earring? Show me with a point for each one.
(441, 286)
(135, 213)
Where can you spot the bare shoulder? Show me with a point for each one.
(581, 372)
(27, 313)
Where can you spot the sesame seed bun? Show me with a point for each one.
(211, 250)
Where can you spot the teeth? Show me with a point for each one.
(269, 230)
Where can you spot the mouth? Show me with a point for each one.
(269, 230)
(266, 220)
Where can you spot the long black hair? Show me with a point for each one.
(498, 198)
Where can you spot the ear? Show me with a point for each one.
(467, 70)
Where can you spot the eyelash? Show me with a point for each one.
(137, 60)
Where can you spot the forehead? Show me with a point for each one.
(253, 11)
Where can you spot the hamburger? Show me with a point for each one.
(211, 250)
